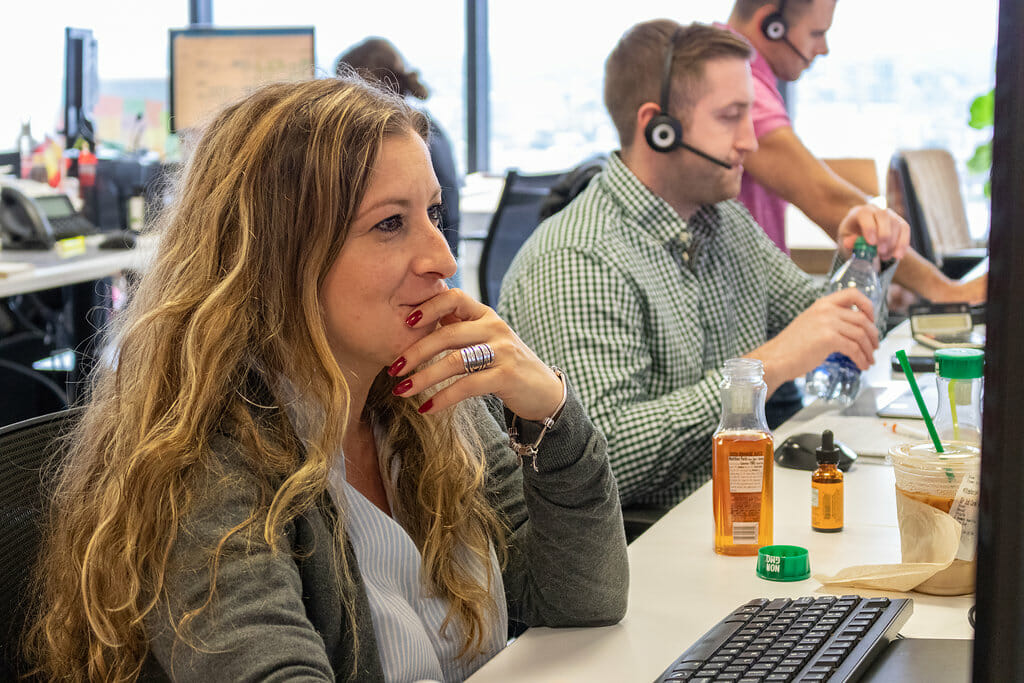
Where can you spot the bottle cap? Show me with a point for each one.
(783, 563)
(827, 454)
(863, 249)
(960, 363)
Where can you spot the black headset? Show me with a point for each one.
(664, 132)
(774, 26)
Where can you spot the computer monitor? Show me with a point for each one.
(999, 628)
(211, 67)
(81, 85)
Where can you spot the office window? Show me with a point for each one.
(547, 68)
(430, 35)
(131, 41)
(900, 75)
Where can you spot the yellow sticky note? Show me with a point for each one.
(71, 246)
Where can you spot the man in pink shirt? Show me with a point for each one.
(787, 36)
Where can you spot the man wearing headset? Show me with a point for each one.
(653, 276)
(787, 36)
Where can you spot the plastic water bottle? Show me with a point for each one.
(838, 378)
(959, 374)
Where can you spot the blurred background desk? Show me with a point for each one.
(49, 270)
(679, 588)
(49, 315)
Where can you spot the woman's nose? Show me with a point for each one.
(436, 256)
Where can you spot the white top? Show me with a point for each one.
(406, 619)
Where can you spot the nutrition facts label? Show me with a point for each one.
(746, 472)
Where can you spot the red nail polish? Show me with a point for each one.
(426, 406)
(402, 387)
(414, 318)
(397, 366)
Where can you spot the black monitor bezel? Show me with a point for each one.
(999, 629)
(80, 75)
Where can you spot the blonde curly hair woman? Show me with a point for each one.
(299, 466)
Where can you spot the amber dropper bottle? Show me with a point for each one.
(827, 488)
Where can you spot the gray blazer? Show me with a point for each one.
(280, 616)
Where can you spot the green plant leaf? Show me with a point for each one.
(981, 161)
(983, 110)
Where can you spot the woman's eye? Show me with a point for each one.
(436, 214)
(390, 224)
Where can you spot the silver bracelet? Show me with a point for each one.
(527, 450)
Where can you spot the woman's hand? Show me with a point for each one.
(527, 386)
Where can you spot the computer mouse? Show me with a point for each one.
(118, 240)
(798, 452)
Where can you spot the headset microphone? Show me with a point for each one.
(799, 54)
(775, 28)
(664, 132)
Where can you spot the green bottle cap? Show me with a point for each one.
(783, 563)
(960, 363)
(862, 249)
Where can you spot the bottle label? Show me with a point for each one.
(965, 511)
(826, 506)
(746, 471)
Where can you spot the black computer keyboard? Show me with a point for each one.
(827, 638)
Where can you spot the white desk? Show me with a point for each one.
(51, 271)
(679, 587)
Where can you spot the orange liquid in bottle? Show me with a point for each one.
(742, 494)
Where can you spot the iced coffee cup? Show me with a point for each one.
(927, 481)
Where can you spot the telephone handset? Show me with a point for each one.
(23, 225)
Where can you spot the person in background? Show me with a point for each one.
(380, 59)
(787, 37)
(306, 461)
(653, 276)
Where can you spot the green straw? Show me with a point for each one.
(905, 364)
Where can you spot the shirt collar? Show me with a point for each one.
(648, 211)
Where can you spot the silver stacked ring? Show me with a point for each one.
(477, 357)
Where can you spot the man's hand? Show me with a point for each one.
(842, 321)
(881, 227)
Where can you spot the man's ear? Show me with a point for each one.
(754, 34)
(646, 112)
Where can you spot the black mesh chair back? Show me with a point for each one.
(514, 220)
(26, 449)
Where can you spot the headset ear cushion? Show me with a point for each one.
(774, 26)
(663, 132)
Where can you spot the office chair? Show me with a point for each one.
(923, 186)
(515, 218)
(26, 449)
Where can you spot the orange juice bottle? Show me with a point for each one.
(742, 462)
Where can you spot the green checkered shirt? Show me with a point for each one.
(641, 309)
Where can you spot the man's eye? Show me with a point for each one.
(390, 224)
(436, 213)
